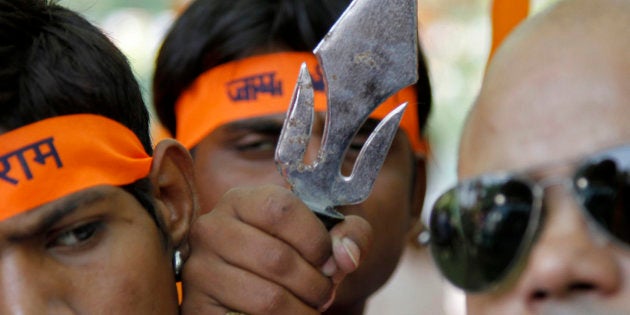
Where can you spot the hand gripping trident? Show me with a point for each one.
(368, 55)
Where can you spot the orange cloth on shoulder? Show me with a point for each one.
(55, 157)
(263, 85)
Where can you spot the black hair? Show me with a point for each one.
(213, 32)
(53, 62)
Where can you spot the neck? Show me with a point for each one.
(356, 309)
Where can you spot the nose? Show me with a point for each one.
(568, 259)
(27, 289)
(310, 153)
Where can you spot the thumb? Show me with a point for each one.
(351, 240)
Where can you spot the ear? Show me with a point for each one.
(419, 192)
(176, 199)
(419, 186)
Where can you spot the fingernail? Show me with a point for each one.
(330, 301)
(352, 249)
(330, 267)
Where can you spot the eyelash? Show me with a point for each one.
(258, 145)
(357, 144)
(76, 236)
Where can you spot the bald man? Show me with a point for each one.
(548, 141)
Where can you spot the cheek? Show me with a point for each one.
(390, 202)
(130, 275)
(623, 255)
(392, 192)
(217, 171)
(499, 303)
(478, 304)
(388, 209)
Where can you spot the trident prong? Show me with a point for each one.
(367, 56)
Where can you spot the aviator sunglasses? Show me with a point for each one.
(481, 230)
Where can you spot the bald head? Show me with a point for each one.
(558, 88)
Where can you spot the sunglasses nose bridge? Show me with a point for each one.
(551, 182)
(558, 195)
(554, 187)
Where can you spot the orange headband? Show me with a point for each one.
(263, 85)
(506, 15)
(55, 157)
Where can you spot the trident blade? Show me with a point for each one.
(367, 56)
(297, 126)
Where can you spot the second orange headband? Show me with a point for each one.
(263, 85)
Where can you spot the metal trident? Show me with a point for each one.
(367, 56)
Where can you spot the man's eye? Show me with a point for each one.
(76, 236)
(262, 145)
(256, 146)
(357, 145)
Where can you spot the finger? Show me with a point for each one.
(280, 213)
(226, 287)
(251, 249)
(352, 239)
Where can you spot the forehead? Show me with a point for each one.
(546, 105)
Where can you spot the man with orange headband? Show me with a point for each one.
(222, 85)
(539, 222)
(91, 220)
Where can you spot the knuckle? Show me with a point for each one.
(279, 261)
(320, 248)
(233, 199)
(273, 300)
(278, 207)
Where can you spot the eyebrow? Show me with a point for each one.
(259, 125)
(274, 126)
(59, 212)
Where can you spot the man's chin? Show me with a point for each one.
(352, 293)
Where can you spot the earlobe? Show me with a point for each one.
(176, 201)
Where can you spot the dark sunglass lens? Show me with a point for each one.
(447, 240)
(478, 229)
(603, 189)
